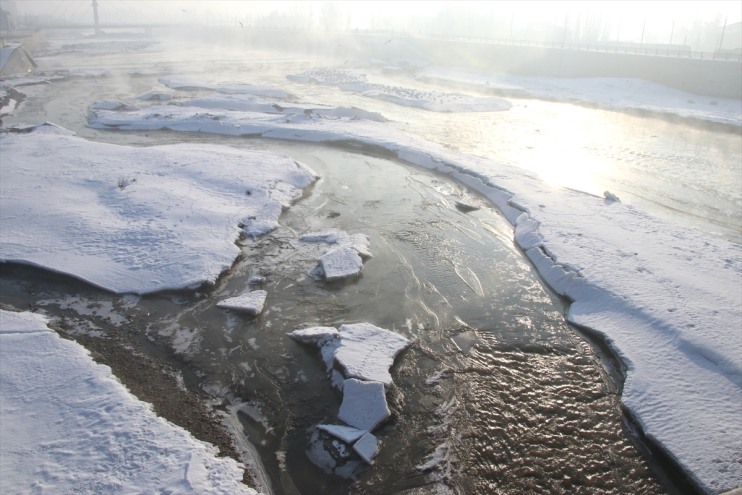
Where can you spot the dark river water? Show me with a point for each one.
(497, 394)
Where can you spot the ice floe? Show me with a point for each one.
(345, 258)
(364, 404)
(347, 434)
(606, 92)
(427, 100)
(250, 303)
(365, 353)
(367, 447)
(190, 84)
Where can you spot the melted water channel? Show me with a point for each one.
(497, 395)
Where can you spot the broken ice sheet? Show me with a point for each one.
(347, 434)
(345, 258)
(364, 404)
(367, 352)
(340, 263)
(367, 447)
(251, 302)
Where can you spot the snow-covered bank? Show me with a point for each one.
(427, 100)
(606, 92)
(668, 300)
(137, 220)
(68, 426)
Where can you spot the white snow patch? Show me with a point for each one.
(81, 431)
(136, 220)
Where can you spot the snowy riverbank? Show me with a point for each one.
(68, 426)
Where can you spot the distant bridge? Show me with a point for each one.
(147, 27)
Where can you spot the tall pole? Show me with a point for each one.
(721, 40)
(95, 17)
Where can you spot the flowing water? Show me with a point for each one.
(497, 394)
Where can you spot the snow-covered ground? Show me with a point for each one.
(605, 92)
(667, 300)
(137, 220)
(68, 426)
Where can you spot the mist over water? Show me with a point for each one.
(498, 394)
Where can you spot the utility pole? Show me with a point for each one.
(95, 17)
(723, 30)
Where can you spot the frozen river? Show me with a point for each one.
(498, 394)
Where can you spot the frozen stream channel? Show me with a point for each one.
(497, 394)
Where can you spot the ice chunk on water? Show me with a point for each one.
(346, 257)
(326, 338)
(367, 447)
(314, 335)
(364, 404)
(340, 263)
(347, 434)
(367, 352)
(251, 302)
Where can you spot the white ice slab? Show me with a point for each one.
(342, 262)
(189, 84)
(367, 447)
(340, 238)
(326, 338)
(314, 335)
(347, 434)
(367, 352)
(251, 303)
(364, 404)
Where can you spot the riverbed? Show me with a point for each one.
(497, 394)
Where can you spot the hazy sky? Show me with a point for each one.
(651, 9)
(658, 17)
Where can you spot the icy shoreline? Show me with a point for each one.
(87, 433)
